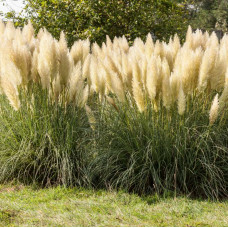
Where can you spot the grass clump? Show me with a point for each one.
(147, 117)
(162, 151)
(43, 142)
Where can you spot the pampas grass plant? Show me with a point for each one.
(148, 117)
(43, 142)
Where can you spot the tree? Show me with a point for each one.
(221, 14)
(211, 15)
(95, 19)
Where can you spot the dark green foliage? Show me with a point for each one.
(43, 142)
(155, 152)
(141, 152)
(94, 19)
(211, 15)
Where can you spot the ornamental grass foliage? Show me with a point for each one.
(148, 117)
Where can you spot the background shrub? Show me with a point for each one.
(95, 19)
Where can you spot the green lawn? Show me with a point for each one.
(26, 206)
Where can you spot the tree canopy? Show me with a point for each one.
(94, 19)
(211, 15)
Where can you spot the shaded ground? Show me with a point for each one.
(25, 206)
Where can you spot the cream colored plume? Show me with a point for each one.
(74, 81)
(169, 54)
(41, 33)
(138, 94)
(218, 73)
(102, 77)
(108, 43)
(97, 51)
(208, 61)
(21, 56)
(2, 28)
(28, 32)
(76, 51)
(65, 60)
(34, 67)
(124, 44)
(48, 60)
(9, 71)
(163, 72)
(189, 64)
(111, 65)
(226, 78)
(176, 45)
(143, 71)
(9, 32)
(214, 110)
(117, 61)
(116, 85)
(158, 49)
(94, 74)
(136, 71)
(86, 67)
(139, 45)
(11, 93)
(189, 37)
(149, 46)
(126, 71)
(57, 88)
(181, 101)
(152, 78)
(166, 88)
(175, 82)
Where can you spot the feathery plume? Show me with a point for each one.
(34, 67)
(116, 85)
(94, 74)
(189, 37)
(166, 89)
(48, 60)
(126, 71)
(75, 76)
(80, 50)
(86, 67)
(11, 92)
(208, 62)
(138, 94)
(65, 60)
(124, 44)
(152, 78)
(181, 101)
(9, 32)
(28, 32)
(22, 58)
(214, 110)
(149, 46)
(2, 28)
(108, 43)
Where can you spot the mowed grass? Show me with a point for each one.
(27, 206)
